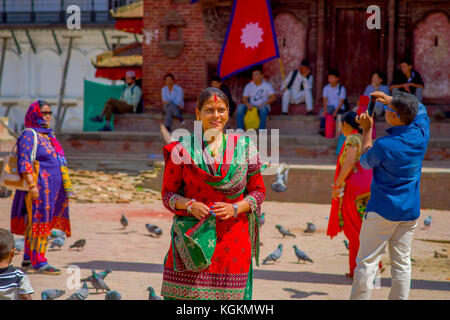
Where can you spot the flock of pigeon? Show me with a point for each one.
(58, 238)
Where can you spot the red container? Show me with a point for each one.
(330, 126)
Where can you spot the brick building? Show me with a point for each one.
(186, 40)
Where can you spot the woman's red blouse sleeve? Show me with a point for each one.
(172, 181)
(256, 191)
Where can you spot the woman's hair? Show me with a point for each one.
(380, 74)
(208, 93)
(42, 104)
(350, 118)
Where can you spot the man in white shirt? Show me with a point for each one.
(128, 102)
(299, 88)
(258, 93)
(334, 96)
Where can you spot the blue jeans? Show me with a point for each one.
(263, 111)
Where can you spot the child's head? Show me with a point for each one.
(6, 246)
(333, 77)
(405, 107)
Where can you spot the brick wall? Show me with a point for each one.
(190, 68)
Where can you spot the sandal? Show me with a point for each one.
(48, 269)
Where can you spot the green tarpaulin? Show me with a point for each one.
(95, 97)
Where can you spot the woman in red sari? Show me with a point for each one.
(351, 189)
(213, 185)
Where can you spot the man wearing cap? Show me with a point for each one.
(127, 103)
(299, 88)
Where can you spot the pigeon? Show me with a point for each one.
(113, 295)
(280, 185)
(301, 255)
(274, 256)
(81, 294)
(152, 295)
(124, 221)
(154, 229)
(58, 242)
(262, 220)
(98, 283)
(427, 221)
(19, 244)
(311, 228)
(102, 275)
(79, 244)
(51, 294)
(346, 243)
(284, 231)
(57, 234)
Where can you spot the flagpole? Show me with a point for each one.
(282, 72)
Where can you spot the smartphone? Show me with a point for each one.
(371, 106)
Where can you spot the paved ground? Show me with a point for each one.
(136, 259)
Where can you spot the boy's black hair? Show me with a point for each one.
(333, 72)
(407, 61)
(169, 75)
(216, 78)
(406, 105)
(258, 68)
(6, 243)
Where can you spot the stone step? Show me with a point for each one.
(292, 124)
(112, 144)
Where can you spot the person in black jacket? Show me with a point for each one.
(217, 83)
(408, 80)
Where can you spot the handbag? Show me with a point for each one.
(251, 119)
(10, 177)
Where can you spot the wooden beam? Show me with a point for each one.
(320, 47)
(391, 41)
(63, 84)
(16, 42)
(31, 41)
(57, 43)
(2, 63)
(106, 40)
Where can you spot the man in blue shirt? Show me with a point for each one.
(394, 205)
(172, 99)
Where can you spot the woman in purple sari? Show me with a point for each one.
(46, 205)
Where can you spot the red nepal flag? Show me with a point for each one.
(250, 38)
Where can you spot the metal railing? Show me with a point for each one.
(19, 12)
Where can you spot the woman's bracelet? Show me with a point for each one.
(335, 186)
(31, 186)
(189, 204)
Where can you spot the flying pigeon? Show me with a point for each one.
(51, 294)
(102, 275)
(58, 242)
(427, 221)
(274, 256)
(57, 234)
(311, 228)
(301, 255)
(79, 244)
(284, 231)
(19, 244)
(346, 243)
(262, 220)
(154, 229)
(152, 295)
(113, 295)
(98, 282)
(124, 221)
(280, 184)
(81, 294)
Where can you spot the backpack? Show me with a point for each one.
(139, 106)
(346, 104)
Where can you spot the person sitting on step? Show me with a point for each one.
(299, 88)
(127, 103)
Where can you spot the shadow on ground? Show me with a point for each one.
(289, 276)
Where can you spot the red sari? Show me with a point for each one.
(347, 212)
(222, 268)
